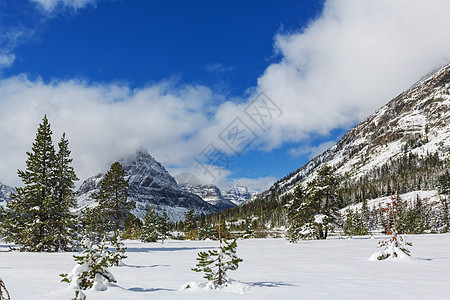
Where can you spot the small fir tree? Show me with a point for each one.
(248, 227)
(91, 270)
(164, 226)
(4, 294)
(149, 233)
(394, 246)
(215, 263)
(118, 256)
(445, 214)
(190, 225)
(354, 224)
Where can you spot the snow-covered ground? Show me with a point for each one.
(272, 269)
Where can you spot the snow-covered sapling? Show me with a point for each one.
(394, 246)
(215, 263)
(92, 268)
(4, 294)
(119, 255)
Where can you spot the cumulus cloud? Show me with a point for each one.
(311, 151)
(350, 61)
(332, 73)
(102, 122)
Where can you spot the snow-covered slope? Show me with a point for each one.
(238, 194)
(5, 194)
(149, 183)
(209, 193)
(417, 121)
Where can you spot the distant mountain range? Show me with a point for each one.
(149, 183)
(225, 199)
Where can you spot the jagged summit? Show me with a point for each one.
(209, 193)
(417, 121)
(149, 183)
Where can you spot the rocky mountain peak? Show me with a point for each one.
(149, 183)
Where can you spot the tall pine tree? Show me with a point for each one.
(112, 198)
(39, 216)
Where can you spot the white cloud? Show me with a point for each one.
(334, 72)
(258, 184)
(312, 151)
(218, 68)
(6, 60)
(51, 6)
(102, 122)
(351, 60)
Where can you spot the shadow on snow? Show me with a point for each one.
(269, 283)
(162, 249)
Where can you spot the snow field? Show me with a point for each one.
(272, 269)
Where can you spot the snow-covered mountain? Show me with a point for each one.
(238, 194)
(416, 122)
(149, 183)
(209, 193)
(5, 194)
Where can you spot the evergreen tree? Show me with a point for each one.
(164, 225)
(215, 263)
(190, 225)
(354, 224)
(445, 214)
(93, 223)
(62, 221)
(91, 269)
(322, 190)
(149, 231)
(248, 227)
(112, 198)
(394, 246)
(39, 216)
(300, 212)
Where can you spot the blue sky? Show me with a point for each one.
(174, 77)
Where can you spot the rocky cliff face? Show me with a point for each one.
(239, 194)
(5, 194)
(149, 183)
(209, 193)
(417, 121)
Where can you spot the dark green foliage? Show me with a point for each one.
(444, 183)
(190, 225)
(132, 227)
(215, 263)
(320, 198)
(118, 257)
(156, 227)
(301, 210)
(93, 223)
(39, 217)
(113, 206)
(444, 215)
(411, 220)
(149, 232)
(248, 227)
(353, 224)
(206, 230)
